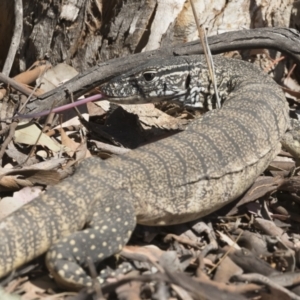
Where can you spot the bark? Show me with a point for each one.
(6, 28)
(84, 32)
(280, 39)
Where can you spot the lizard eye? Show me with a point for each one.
(149, 75)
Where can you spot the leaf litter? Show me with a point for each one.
(247, 250)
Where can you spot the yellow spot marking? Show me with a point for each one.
(114, 230)
(78, 272)
(59, 256)
(104, 244)
(88, 284)
(61, 273)
(118, 206)
(126, 223)
(65, 267)
(75, 250)
(93, 247)
(104, 227)
(120, 247)
(107, 209)
(118, 238)
(118, 220)
(100, 255)
(53, 255)
(80, 280)
(72, 242)
(92, 236)
(129, 233)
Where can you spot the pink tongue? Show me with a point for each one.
(63, 107)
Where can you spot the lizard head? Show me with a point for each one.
(157, 80)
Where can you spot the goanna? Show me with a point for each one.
(175, 180)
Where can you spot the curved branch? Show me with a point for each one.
(282, 39)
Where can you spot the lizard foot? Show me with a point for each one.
(109, 232)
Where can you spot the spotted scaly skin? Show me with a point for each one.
(171, 181)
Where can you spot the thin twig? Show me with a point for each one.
(213, 78)
(110, 148)
(15, 41)
(4, 113)
(80, 116)
(17, 86)
(93, 275)
(52, 132)
(10, 136)
(207, 54)
(41, 76)
(291, 71)
(258, 278)
(226, 253)
(37, 140)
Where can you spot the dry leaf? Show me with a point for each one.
(56, 76)
(20, 198)
(5, 296)
(29, 133)
(68, 142)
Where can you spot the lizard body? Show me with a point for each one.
(175, 180)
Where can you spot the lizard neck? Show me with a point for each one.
(200, 92)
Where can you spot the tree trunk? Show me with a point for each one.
(84, 32)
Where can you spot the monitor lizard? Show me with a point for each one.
(174, 180)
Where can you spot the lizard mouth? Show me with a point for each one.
(136, 99)
(126, 100)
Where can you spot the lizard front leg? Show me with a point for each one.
(109, 230)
